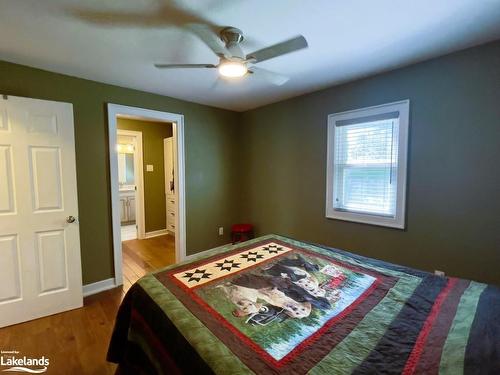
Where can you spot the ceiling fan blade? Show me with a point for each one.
(119, 19)
(288, 46)
(182, 66)
(271, 77)
(211, 39)
(166, 14)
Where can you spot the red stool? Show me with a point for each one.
(241, 232)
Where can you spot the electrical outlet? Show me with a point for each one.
(221, 231)
(149, 168)
(439, 273)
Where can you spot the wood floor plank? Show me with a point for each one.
(76, 341)
(109, 301)
(138, 270)
(129, 274)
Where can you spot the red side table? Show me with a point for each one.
(241, 232)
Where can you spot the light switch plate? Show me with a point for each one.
(149, 168)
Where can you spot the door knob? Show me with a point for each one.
(70, 219)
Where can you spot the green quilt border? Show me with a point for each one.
(209, 347)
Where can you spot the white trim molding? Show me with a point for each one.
(99, 286)
(177, 120)
(156, 233)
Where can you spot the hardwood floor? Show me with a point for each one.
(76, 341)
(143, 256)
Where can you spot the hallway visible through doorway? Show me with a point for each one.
(147, 196)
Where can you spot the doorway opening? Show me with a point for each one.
(147, 190)
(130, 180)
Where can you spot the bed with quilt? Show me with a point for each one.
(274, 305)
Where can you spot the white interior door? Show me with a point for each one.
(168, 161)
(40, 268)
(170, 189)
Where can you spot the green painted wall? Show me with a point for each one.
(153, 134)
(267, 166)
(453, 209)
(211, 159)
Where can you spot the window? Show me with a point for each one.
(366, 167)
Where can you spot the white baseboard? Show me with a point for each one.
(201, 253)
(99, 286)
(156, 233)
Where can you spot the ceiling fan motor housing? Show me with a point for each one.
(232, 37)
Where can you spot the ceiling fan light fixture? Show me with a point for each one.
(233, 62)
(232, 69)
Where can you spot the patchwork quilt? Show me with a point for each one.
(279, 306)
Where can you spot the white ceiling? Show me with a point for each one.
(347, 40)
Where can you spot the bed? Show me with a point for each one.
(274, 305)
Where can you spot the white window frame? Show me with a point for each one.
(399, 220)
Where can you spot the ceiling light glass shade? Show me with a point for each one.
(232, 69)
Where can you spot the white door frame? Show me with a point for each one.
(177, 121)
(139, 181)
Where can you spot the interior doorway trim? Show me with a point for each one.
(177, 120)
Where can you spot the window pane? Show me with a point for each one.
(366, 167)
(367, 189)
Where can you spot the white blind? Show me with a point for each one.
(365, 166)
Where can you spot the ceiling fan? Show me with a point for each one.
(233, 63)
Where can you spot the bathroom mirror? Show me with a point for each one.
(126, 169)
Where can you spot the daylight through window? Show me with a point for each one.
(366, 167)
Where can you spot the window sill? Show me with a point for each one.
(381, 221)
